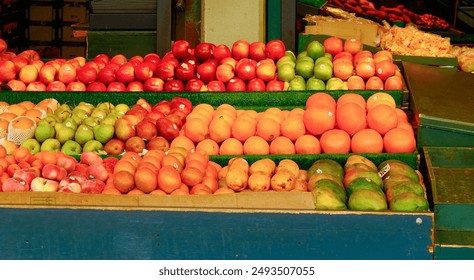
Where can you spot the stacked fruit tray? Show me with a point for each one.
(208, 117)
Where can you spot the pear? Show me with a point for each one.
(105, 106)
(87, 107)
(83, 134)
(91, 121)
(44, 131)
(99, 113)
(78, 115)
(51, 144)
(70, 122)
(64, 133)
(62, 114)
(110, 119)
(92, 146)
(52, 119)
(122, 108)
(104, 132)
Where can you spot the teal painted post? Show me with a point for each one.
(273, 19)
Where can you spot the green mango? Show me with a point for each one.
(338, 189)
(404, 187)
(409, 202)
(326, 199)
(362, 183)
(367, 200)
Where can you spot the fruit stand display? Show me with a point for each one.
(275, 158)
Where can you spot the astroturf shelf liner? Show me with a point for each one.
(241, 100)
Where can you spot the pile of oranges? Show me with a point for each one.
(350, 124)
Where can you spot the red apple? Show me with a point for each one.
(28, 74)
(14, 184)
(56, 86)
(203, 51)
(40, 184)
(126, 73)
(246, 69)
(96, 86)
(153, 84)
(47, 74)
(195, 85)
(146, 130)
(3, 46)
(221, 51)
(275, 85)
(135, 60)
(16, 85)
(87, 74)
(240, 49)
(27, 174)
(165, 70)
(365, 69)
(67, 162)
(164, 107)
(107, 74)
(229, 60)
(257, 51)
(20, 62)
(256, 84)
(153, 116)
(206, 72)
(236, 84)
(153, 58)
(158, 143)
(345, 56)
(393, 83)
(92, 186)
(266, 70)
(36, 86)
(144, 71)
(76, 86)
(185, 71)
(118, 59)
(174, 85)
(167, 129)
(136, 86)
(181, 49)
(30, 54)
(374, 83)
(385, 69)
(116, 87)
(224, 72)
(275, 49)
(53, 172)
(343, 69)
(182, 104)
(7, 71)
(67, 73)
(102, 59)
(216, 86)
(90, 158)
(114, 146)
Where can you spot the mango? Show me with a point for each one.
(399, 167)
(289, 164)
(409, 202)
(367, 200)
(237, 179)
(259, 181)
(326, 199)
(317, 177)
(362, 183)
(265, 165)
(369, 175)
(283, 180)
(330, 184)
(403, 188)
(326, 166)
(360, 161)
(395, 179)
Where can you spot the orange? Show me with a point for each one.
(293, 127)
(382, 118)
(145, 179)
(228, 116)
(136, 191)
(367, 141)
(191, 176)
(296, 112)
(199, 156)
(243, 128)
(173, 161)
(380, 98)
(149, 165)
(208, 146)
(204, 108)
(220, 129)
(407, 126)
(401, 115)
(158, 154)
(168, 179)
(274, 113)
(351, 97)
(317, 120)
(124, 181)
(184, 142)
(282, 145)
(133, 156)
(3, 151)
(10, 159)
(351, 117)
(216, 166)
(355, 83)
(199, 115)
(268, 129)
(12, 168)
(111, 190)
(211, 170)
(256, 145)
(335, 141)
(125, 165)
(231, 146)
(22, 154)
(196, 129)
(211, 182)
(399, 140)
(321, 99)
(307, 144)
(47, 157)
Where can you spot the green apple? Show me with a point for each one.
(70, 122)
(291, 54)
(335, 84)
(285, 59)
(92, 146)
(104, 132)
(315, 84)
(51, 144)
(83, 134)
(122, 108)
(64, 133)
(315, 49)
(31, 144)
(44, 131)
(71, 147)
(298, 83)
(286, 72)
(305, 67)
(323, 70)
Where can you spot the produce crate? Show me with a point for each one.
(243, 225)
(128, 43)
(441, 102)
(450, 174)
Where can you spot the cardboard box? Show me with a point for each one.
(365, 32)
(74, 14)
(41, 33)
(68, 35)
(73, 51)
(42, 13)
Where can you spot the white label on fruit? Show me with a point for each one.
(384, 170)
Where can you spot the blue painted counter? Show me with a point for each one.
(65, 233)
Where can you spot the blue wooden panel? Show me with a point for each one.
(112, 234)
